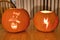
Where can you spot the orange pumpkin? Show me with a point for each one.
(15, 20)
(45, 21)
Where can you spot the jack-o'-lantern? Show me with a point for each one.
(15, 20)
(45, 21)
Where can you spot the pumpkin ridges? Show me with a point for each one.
(39, 21)
(23, 17)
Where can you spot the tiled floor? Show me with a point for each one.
(30, 34)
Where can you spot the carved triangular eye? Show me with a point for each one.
(16, 13)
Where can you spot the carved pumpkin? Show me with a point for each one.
(45, 21)
(15, 20)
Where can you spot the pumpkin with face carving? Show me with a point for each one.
(45, 21)
(15, 20)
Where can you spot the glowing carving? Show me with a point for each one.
(14, 20)
(46, 22)
(13, 25)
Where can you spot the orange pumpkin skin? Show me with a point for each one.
(15, 20)
(45, 22)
